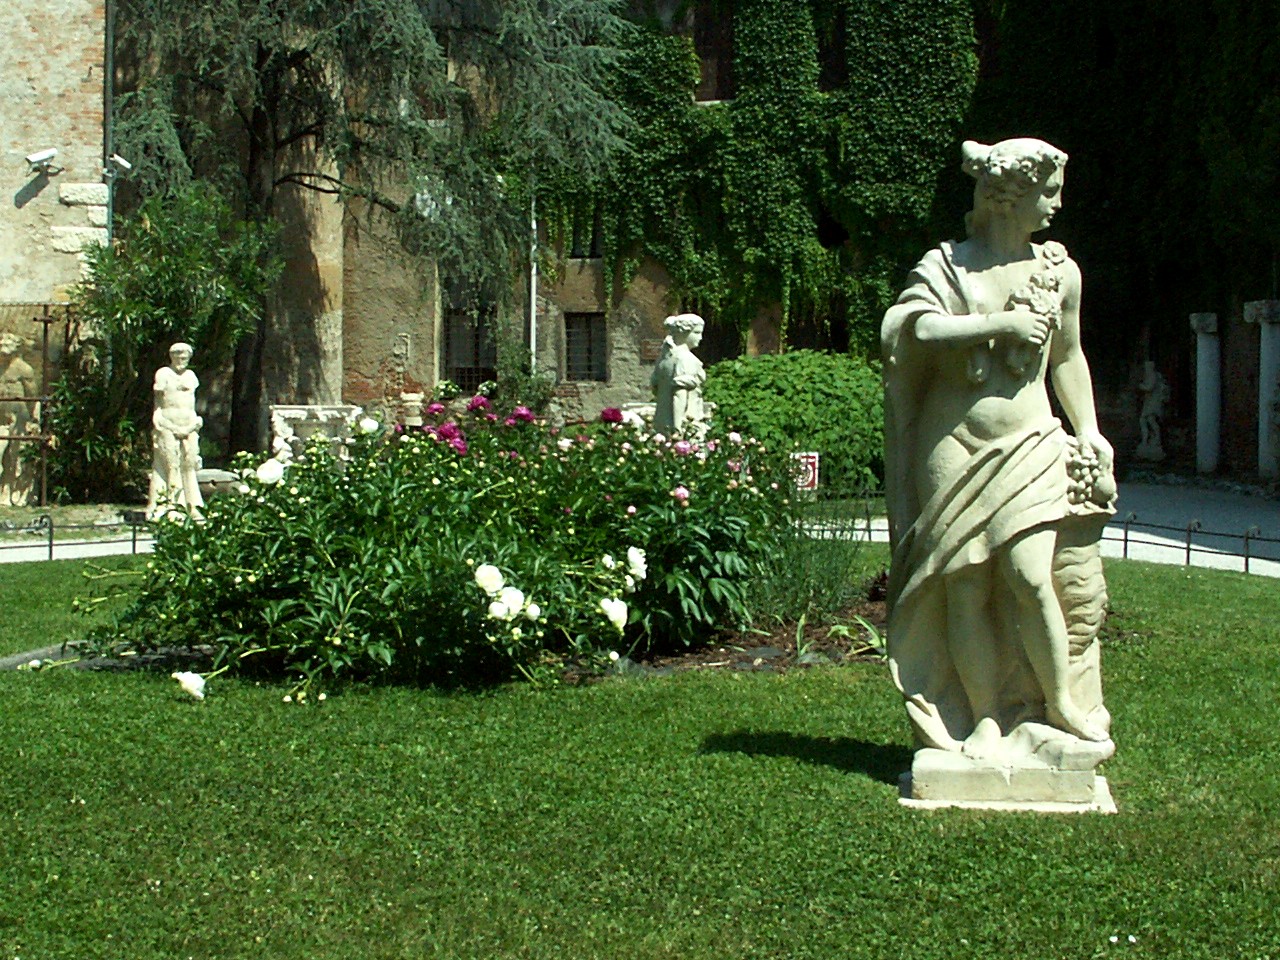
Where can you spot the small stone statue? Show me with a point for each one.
(17, 419)
(996, 592)
(175, 437)
(678, 378)
(1155, 394)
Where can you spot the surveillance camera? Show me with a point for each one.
(41, 159)
(123, 165)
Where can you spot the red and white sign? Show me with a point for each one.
(806, 469)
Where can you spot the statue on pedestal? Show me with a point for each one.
(175, 437)
(678, 378)
(996, 592)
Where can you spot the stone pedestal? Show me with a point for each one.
(940, 779)
(1208, 390)
(1266, 314)
(293, 424)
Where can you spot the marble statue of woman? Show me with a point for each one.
(678, 378)
(175, 437)
(996, 592)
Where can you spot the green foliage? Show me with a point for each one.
(732, 198)
(183, 268)
(461, 102)
(806, 400)
(371, 565)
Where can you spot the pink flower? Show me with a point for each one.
(735, 465)
(681, 493)
(458, 444)
(491, 417)
(509, 422)
(611, 415)
(478, 402)
(682, 448)
(434, 409)
(448, 430)
(524, 414)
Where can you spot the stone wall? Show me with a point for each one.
(633, 329)
(51, 95)
(390, 316)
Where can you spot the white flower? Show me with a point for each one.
(242, 488)
(632, 419)
(489, 578)
(564, 443)
(608, 561)
(512, 598)
(637, 566)
(498, 611)
(323, 696)
(658, 438)
(615, 610)
(735, 436)
(287, 699)
(630, 582)
(533, 611)
(613, 655)
(271, 471)
(367, 425)
(191, 683)
(284, 455)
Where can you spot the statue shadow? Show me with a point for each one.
(884, 762)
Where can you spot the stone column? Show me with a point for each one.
(1208, 390)
(1266, 314)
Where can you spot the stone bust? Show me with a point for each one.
(996, 590)
(175, 436)
(678, 378)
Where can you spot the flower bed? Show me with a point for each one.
(466, 549)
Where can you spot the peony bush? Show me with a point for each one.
(478, 546)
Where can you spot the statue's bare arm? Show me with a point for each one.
(1069, 369)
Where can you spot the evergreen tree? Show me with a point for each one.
(442, 113)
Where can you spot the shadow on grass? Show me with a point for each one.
(879, 761)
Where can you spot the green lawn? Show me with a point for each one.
(702, 815)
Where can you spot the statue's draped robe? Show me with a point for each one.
(1007, 487)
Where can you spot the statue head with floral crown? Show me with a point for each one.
(1008, 175)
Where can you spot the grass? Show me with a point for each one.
(705, 815)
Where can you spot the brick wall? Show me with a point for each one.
(51, 95)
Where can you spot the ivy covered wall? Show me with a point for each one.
(814, 187)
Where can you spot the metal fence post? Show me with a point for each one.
(1251, 532)
(48, 525)
(1191, 527)
(1132, 517)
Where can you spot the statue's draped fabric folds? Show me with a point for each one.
(996, 592)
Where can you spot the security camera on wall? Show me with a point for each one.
(42, 159)
(120, 163)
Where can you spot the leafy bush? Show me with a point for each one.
(807, 400)
(399, 559)
(183, 269)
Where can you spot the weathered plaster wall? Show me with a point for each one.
(302, 358)
(51, 95)
(634, 332)
(390, 315)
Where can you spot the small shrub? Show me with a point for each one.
(806, 400)
(464, 551)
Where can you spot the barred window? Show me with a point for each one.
(586, 347)
(470, 356)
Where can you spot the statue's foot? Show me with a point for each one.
(1071, 720)
(985, 740)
